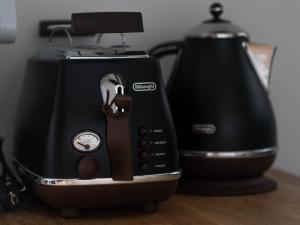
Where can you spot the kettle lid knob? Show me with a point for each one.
(216, 10)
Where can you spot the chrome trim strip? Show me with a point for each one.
(164, 177)
(106, 57)
(219, 35)
(255, 153)
(59, 26)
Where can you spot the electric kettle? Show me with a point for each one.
(218, 93)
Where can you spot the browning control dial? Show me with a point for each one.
(86, 141)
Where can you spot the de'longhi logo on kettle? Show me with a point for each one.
(204, 129)
(144, 86)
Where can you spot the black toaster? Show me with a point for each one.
(94, 128)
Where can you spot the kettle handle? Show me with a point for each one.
(165, 49)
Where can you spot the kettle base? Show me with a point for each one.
(70, 213)
(226, 187)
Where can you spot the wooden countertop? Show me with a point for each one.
(280, 207)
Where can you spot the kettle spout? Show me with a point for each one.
(262, 56)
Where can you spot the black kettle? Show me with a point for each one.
(218, 93)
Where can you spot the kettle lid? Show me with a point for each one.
(217, 27)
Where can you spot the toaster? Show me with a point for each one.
(94, 128)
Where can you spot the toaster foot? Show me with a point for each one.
(149, 207)
(70, 213)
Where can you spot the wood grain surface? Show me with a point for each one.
(280, 207)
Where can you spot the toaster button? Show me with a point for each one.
(88, 168)
(143, 143)
(142, 131)
(143, 167)
(143, 155)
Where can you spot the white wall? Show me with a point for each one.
(269, 21)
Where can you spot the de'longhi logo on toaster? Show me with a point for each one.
(144, 86)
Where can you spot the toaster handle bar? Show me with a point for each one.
(106, 22)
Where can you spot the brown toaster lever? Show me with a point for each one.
(118, 138)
